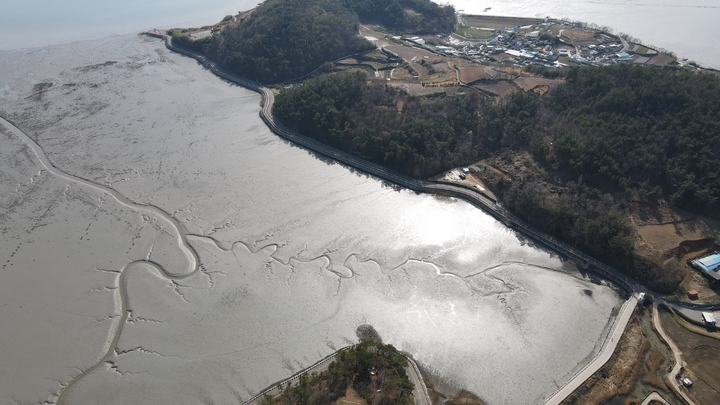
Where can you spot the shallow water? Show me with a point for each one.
(34, 23)
(295, 251)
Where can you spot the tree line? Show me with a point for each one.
(417, 16)
(286, 39)
(605, 137)
(374, 370)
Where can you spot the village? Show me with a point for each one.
(550, 42)
(496, 55)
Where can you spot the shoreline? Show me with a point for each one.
(412, 370)
(623, 283)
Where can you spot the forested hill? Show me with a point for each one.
(653, 130)
(285, 39)
(417, 16)
(605, 137)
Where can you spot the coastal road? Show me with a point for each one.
(602, 357)
(420, 391)
(584, 261)
(625, 283)
(676, 353)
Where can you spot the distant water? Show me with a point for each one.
(25, 24)
(688, 28)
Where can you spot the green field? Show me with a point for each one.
(644, 50)
(474, 33)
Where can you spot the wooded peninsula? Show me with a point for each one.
(575, 127)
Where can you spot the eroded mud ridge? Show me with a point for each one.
(178, 252)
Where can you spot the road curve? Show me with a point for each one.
(623, 282)
(654, 396)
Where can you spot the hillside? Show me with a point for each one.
(579, 154)
(416, 16)
(286, 39)
(574, 151)
(372, 373)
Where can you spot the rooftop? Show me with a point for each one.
(708, 263)
(708, 317)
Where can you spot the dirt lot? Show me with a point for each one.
(471, 74)
(702, 355)
(441, 66)
(575, 35)
(579, 37)
(409, 52)
(705, 363)
(660, 60)
(664, 227)
(502, 57)
(500, 88)
(666, 233)
(402, 73)
(528, 83)
(417, 89)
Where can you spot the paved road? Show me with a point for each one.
(420, 391)
(602, 357)
(625, 283)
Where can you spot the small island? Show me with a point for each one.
(369, 372)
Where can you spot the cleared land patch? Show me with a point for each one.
(471, 74)
(497, 22)
(698, 366)
(500, 88)
(528, 83)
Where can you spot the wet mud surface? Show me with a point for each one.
(171, 249)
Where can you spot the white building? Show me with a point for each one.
(708, 318)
